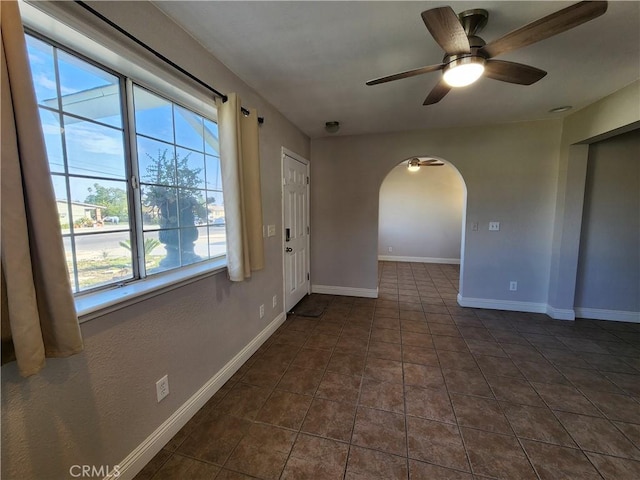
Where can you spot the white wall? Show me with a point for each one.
(421, 214)
(97, 407)
(609, 261)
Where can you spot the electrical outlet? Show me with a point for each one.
(494, 226)
(275, 301)
(474, 226)
(513, 286)
(390, 249)
(162, 387)
(262, 310)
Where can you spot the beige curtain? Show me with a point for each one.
(38, 313)
(240, 163)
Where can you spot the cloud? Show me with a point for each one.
(51, 129)
(91, 139)
(43, 81)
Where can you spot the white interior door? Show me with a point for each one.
(296, 229)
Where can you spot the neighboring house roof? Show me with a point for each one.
(80, 204)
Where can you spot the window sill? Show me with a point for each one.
(100, 303)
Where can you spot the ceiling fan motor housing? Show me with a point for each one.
(473, 21)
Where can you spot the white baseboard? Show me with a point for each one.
(561, 313)
(392, 258)
(515, 306)
(143, 453)
(603, 314)
(346, 291)
(553, 312)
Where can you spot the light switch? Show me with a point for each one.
(271, 230)
(494, 226)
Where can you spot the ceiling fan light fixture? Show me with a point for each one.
(463, 71)
(413, 165)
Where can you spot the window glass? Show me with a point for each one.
(43, 71)
(88, 91)
(88, 165)
(175, 201)
(190, 168)
(52, 132)
(211, 137)
(154, 115)
(94, 149)
(213, 173)
(189, 129)
(83, 118)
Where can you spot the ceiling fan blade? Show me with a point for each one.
(437, 93)
(407, 74)
(512, 72)
(446, 30)
(546, 27)
(434, 164)
(428, 160)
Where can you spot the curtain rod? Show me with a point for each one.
(159, 55)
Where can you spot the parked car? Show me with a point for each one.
(219, 221)
(111, 219)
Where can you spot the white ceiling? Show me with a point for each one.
(311, 60)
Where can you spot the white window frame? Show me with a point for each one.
(100, 47)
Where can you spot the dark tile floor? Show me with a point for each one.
(412, 386)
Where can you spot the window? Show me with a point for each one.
(136, 176)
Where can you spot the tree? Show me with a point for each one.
(113, 199)
(174, 196)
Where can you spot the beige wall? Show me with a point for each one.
(510, 175)
(529, 176)
(609, 261)
(421, 214)
(610, 116)
(97, 407)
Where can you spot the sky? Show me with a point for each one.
(95, 143)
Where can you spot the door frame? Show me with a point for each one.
(301, 159)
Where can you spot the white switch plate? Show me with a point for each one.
(262, 310)
(513, 286)
(474, 226)
(275, 301)
(494, 226)
(271, 230)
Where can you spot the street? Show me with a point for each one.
(104, 242)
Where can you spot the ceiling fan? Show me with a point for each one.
(468, 57)
(415, 163)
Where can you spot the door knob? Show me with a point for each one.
(288, 249)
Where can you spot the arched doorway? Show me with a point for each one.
(422, 214)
